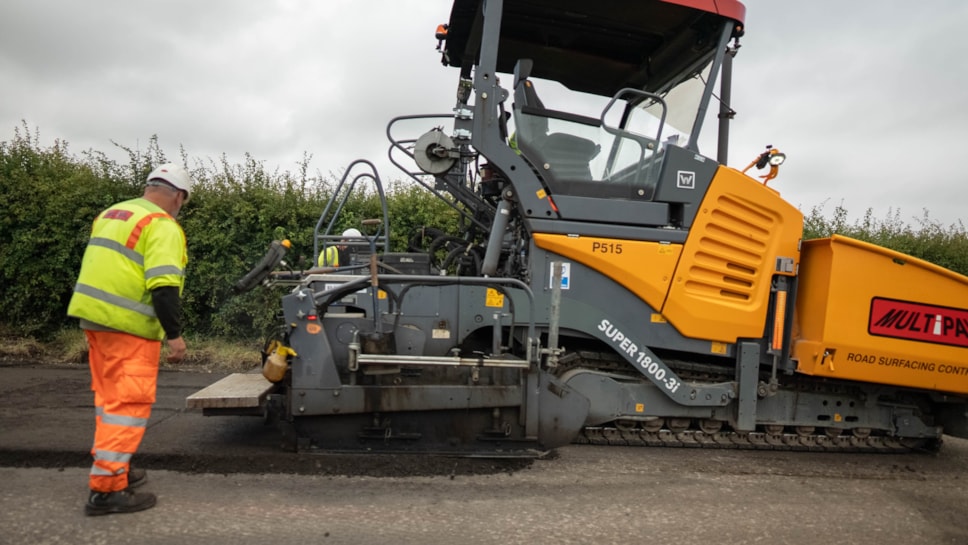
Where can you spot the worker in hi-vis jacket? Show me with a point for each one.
(128, 300)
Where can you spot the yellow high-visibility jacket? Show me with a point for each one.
(135, 247)
(329, 258)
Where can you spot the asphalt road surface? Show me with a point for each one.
(223, 480)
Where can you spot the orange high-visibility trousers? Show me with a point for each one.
(124, 377)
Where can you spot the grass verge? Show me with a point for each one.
(69, 347)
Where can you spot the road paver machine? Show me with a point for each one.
(609, 283)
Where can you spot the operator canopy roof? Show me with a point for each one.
(597, 46)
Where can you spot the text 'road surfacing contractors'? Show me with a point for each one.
(903, 363)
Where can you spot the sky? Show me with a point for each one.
(866, 98)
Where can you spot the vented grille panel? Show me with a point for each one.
(730, 251)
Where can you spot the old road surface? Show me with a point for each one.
(223, 480)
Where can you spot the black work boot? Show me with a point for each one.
(123, 501)
(137, 477)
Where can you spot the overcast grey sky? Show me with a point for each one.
(865, 97)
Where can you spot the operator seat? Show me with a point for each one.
(567, 156)
(530, 129)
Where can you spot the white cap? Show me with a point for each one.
(174, 175)
(351, 232)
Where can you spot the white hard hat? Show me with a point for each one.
(174, 175)
(351, 232)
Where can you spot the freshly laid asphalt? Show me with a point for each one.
(223, 480)
(47, 412)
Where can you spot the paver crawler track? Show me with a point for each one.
(606, 435)
(765, 438)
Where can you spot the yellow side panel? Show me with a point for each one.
(644, 268)
(871, 314)
(721, 288)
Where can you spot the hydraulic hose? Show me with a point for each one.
(496, 238)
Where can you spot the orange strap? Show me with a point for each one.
(136, 232)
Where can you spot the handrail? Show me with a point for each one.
(328, 235)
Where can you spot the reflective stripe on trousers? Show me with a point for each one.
(124, 376)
